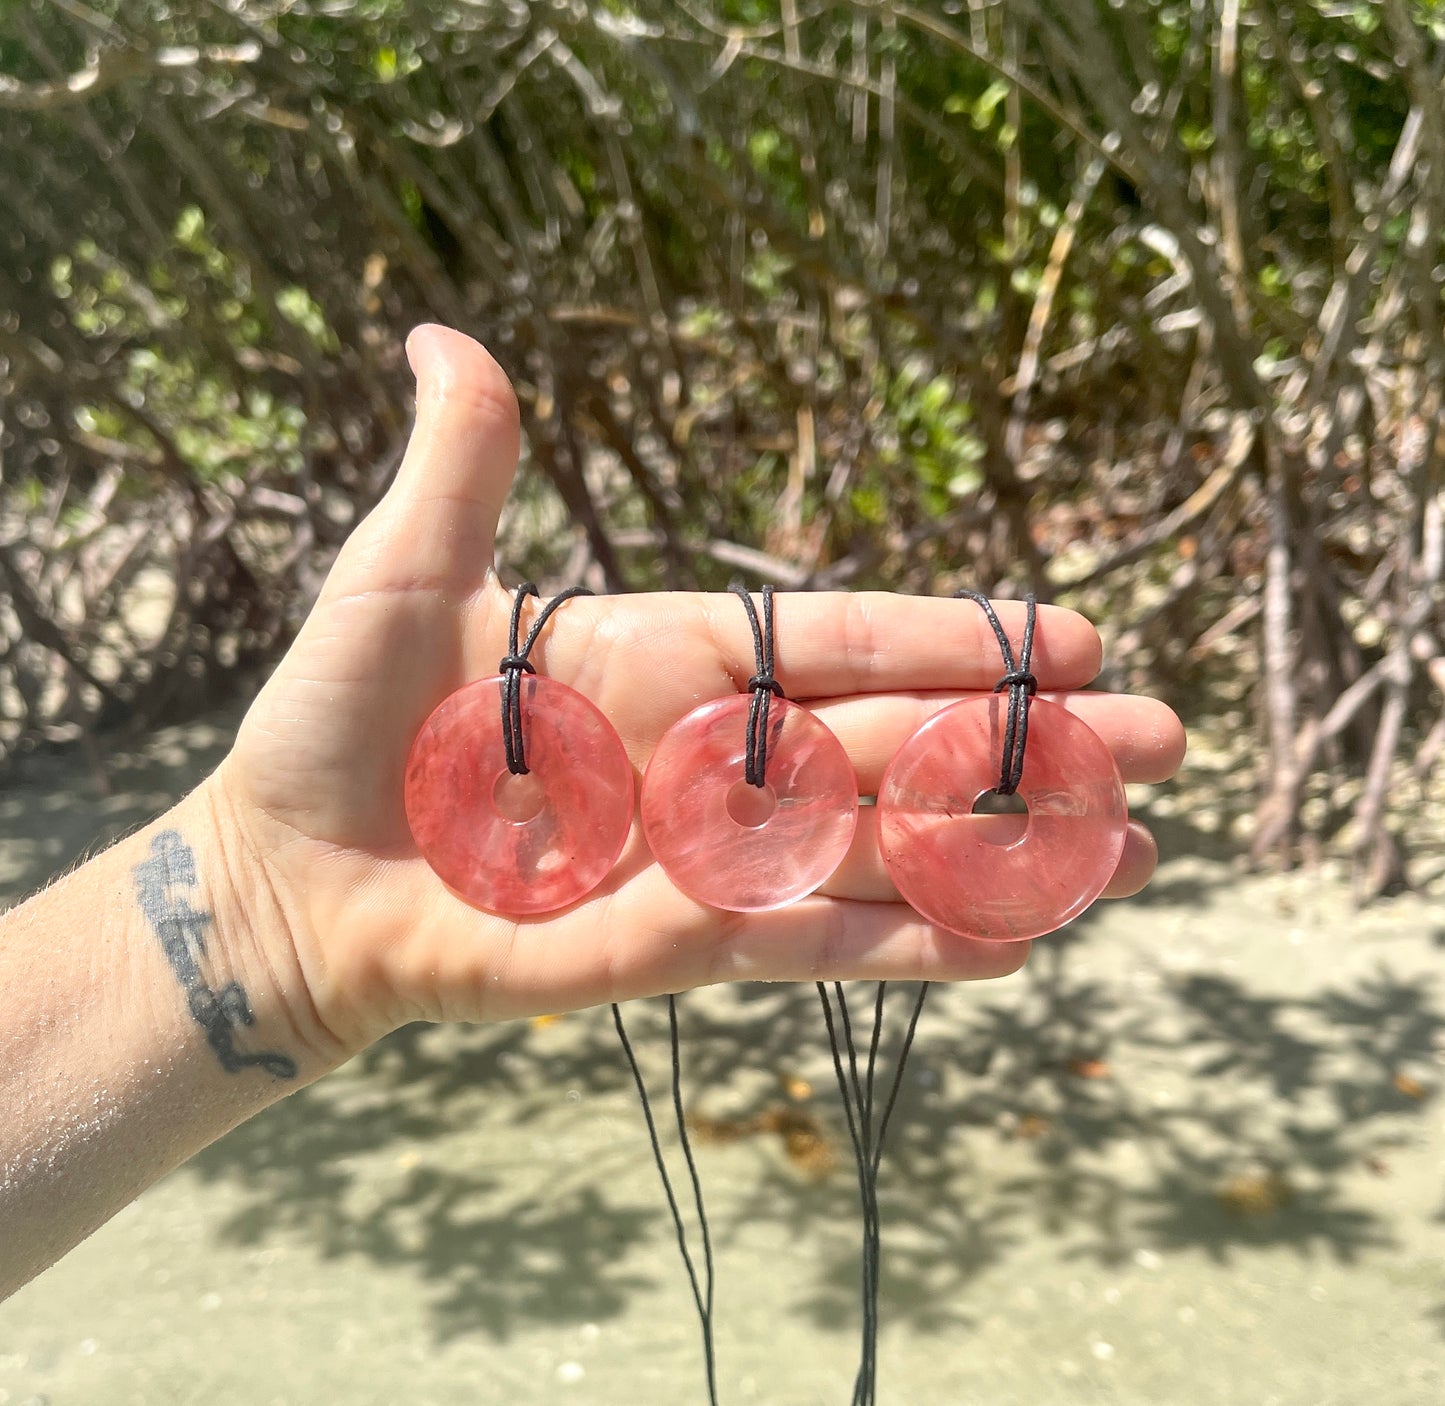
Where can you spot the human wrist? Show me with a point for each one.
(251, 948)
(151, 1006)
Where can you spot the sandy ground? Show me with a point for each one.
(1193, 1154)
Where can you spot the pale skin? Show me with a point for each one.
(287, 888)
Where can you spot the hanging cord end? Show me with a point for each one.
(1019, 682)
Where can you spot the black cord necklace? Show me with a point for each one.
(858, 1078)
(866, 1135)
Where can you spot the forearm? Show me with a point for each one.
(150, 1003)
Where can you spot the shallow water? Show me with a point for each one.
(1192, 1154)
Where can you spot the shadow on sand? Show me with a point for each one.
(1030, 1109)
(1207, 1117)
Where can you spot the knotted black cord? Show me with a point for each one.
(763, 686)
(516, 663)
(701, 1297)
(1021, 685)
(858, 1095)
(857, 1091)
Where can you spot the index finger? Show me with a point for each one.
(827, 642)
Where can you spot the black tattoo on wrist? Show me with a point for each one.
(160, 884)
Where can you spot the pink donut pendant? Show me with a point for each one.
(519, 844)
(733, 845)
(1005, 877)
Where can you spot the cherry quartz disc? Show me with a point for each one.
(1006, 877)
(519, 844)
(732, 845)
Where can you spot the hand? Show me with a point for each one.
(413, 609)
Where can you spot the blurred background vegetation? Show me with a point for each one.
(1137, 306)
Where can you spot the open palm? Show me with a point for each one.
(413, 609)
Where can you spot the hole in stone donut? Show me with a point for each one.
(1001, 820)
(751, 806)
(518, 798)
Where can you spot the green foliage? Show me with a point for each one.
(931, 438)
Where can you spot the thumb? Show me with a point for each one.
(438, 522)
(328, 736)
(467, 433)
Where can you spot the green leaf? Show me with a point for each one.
(190, 226)
(987, 104)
